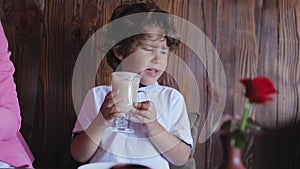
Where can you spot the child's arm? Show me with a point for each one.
(85, 144)
(173, 149)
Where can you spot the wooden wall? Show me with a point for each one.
(252, 37)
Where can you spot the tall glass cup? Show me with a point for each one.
(128, 84)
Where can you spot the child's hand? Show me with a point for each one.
(146, 113)
(108, 108)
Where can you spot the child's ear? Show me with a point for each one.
(117, 53)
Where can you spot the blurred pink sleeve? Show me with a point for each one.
(10, 119)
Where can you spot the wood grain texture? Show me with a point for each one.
(252, 38)
(288, 64)
(267, 34)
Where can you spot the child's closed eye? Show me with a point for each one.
(164, 52)
(148, 49)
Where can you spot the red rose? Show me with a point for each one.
(258, 89)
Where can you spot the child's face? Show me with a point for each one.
(148, 58)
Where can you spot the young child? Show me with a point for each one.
(160, 119)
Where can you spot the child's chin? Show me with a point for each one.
(148, 82)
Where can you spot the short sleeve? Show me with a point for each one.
(180, 125)
(88, 112)
(90, 107)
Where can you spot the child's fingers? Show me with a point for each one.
(111, 94)
(112, 112)
(141, 113)
(144, 116)
(116, 114)
(140, 117)
(113, 101)
(114, 92)
(142, 105)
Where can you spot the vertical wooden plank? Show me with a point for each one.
(288, 65)
(202, 150)
(52, 80)
(225, 19)
(297, 69)
(246, 51)
(205, 155)
(267, 34)
(246, 59)
(265, 114)
(74, 37)
(297, 11)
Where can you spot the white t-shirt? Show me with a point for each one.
(5, 165)
(137, 148)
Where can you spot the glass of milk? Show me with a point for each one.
(128, 84)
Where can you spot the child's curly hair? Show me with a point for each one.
(164, 22)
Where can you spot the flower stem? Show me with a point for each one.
(245, 116)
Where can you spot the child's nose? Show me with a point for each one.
(157, 56)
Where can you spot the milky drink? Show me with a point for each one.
(127, 83)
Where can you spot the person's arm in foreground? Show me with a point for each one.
(10, 119)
